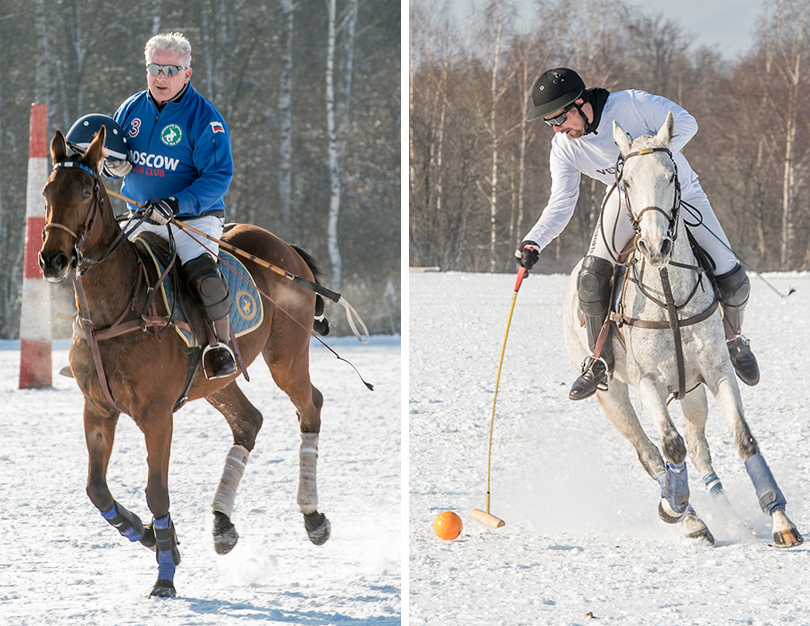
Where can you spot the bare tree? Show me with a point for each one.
(285, 123)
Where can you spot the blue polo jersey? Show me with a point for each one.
(184, 151)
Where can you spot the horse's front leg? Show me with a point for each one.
(771, 499)
(157, 429)
(674, 479)
(99, 430)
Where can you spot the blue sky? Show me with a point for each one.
(725, 24)
(728, 24)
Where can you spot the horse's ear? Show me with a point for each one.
(58, 147)
(95, 152)
(621, 138)
(667, 131)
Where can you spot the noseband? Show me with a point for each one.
(672, 216)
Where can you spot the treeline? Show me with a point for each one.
(264, 65)
(479, 174)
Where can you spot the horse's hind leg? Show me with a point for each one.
(292, 377)
(771, 500)
(245, 421)
(99, 429)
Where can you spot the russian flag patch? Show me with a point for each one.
(217, 127)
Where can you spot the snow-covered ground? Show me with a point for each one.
(583, 543)
(61, 563)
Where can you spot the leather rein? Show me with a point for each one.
(674, 323)
(83, 326)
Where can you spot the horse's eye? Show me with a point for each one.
(85, 195)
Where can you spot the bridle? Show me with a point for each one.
(674, 323)
(83, 263)
(672, 215)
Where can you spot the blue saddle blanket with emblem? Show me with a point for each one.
(247, 310)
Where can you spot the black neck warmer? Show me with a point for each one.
(597, 98)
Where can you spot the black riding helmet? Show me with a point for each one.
(84, 130)
(555, 90)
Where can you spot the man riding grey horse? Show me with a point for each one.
(582, 120)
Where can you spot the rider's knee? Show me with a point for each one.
(593, 284)
(202, 275)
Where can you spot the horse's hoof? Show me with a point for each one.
(163, 589)
(789, 538)
(701, 533)
(318, 527)
(225, 535)
(667, 513)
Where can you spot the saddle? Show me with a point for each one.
(247, 308)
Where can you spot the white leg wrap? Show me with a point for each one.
(307, 473)
(235, 464)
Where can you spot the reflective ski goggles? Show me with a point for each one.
(168, 70)
(559, 120)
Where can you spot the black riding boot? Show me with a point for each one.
(734, 289)
(593, 288)
(211, 291)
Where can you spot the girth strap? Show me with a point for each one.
(621, 319)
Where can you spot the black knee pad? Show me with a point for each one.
(734, 287)
(593, 285)
(208, 285)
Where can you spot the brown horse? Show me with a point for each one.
(144, 374)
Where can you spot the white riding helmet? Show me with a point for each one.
(83, 131)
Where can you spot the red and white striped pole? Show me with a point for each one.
(35, 318)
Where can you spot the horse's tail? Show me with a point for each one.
(321, 324)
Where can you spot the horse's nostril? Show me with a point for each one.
(60, 261)
(57, 262)
(642, 247)
(666, 247)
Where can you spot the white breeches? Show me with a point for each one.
(706, 234)
(189, 245)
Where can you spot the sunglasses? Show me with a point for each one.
(559, 120)
(168, 70)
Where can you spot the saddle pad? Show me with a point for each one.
(247, 309)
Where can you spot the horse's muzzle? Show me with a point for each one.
(656, 255)
(55, 267)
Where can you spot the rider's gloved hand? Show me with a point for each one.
(527, 254)
(162, 211)
(116, 168)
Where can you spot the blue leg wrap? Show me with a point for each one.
(713, 484)
(168, 555)
(675, 486)
(769, 494)
(127, 523)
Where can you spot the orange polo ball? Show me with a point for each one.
(447, 526)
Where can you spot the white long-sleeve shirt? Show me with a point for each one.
(595, 155)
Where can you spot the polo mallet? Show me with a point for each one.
(485, 517)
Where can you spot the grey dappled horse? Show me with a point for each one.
(663, 283)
